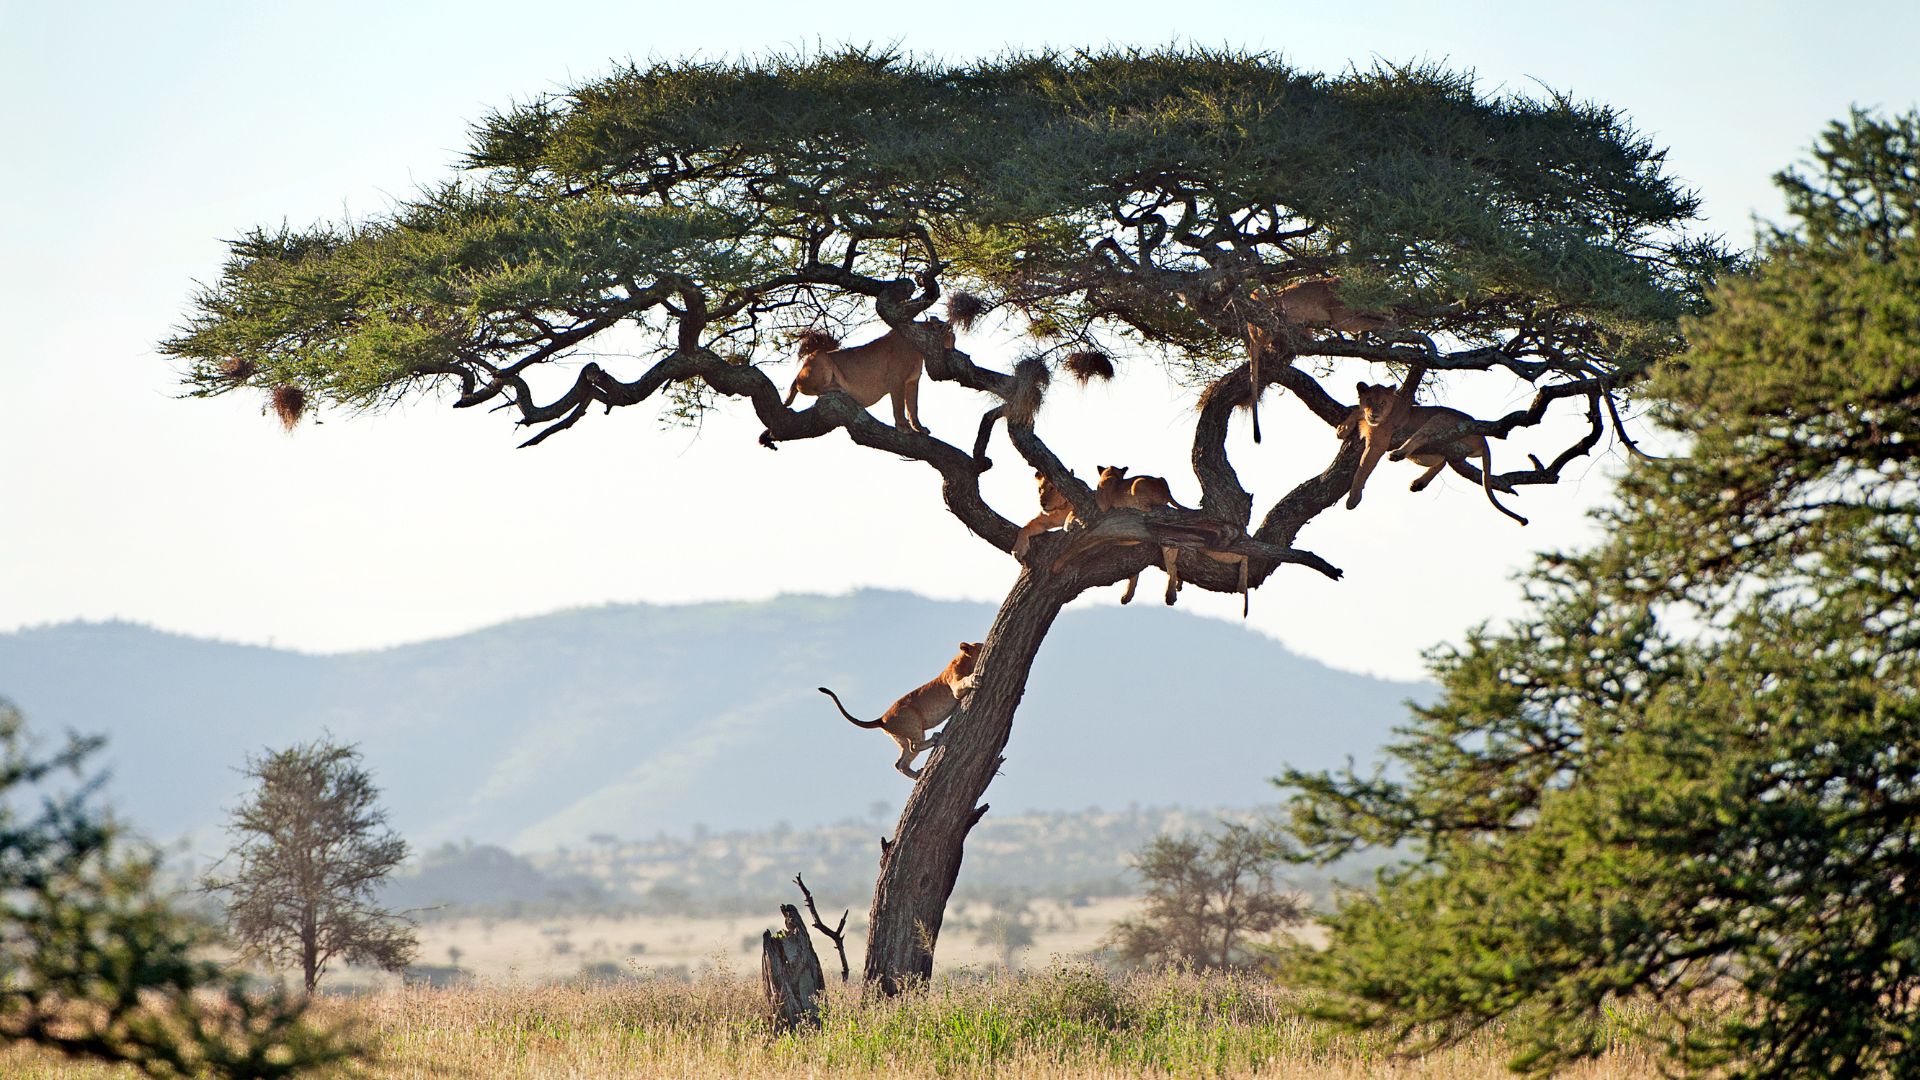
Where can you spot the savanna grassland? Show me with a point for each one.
(1072, 1020)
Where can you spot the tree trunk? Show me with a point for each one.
(310, 950)
(790, 974)
(919, 866)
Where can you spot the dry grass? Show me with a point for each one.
(1068, 1021)
(524, 950)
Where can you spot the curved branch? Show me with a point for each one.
(987, 420)
(960, 485)
(1620, 429)
(1484, 358)
(1221, 493)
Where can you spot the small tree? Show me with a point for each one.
(93, 964)
(1206, 897)
(311, 846)
(1007, 931)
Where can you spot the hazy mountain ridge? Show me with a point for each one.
(632, 719)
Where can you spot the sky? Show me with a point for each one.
(140, 135)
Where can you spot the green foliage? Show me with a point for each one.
(311, 847)
(1210, 901)
(1691, 777)
(703, 209)
(94, 964)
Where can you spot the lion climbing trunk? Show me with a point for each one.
(920, 864)
(844, 712)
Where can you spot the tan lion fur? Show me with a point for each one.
(1385, 423)
(1312, 304)
(1117, 489)
(922, 709)
(888, 366)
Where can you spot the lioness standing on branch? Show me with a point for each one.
(888, 366)
(921, 709)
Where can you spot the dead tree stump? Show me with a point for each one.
(790, 973)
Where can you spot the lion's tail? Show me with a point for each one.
(844, 712)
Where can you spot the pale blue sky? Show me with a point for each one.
(138, 134)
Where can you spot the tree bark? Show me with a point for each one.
(310, 950)
(790, 974)
(919, 866)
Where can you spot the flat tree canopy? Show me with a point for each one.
(692, 217)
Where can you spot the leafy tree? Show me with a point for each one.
(1207, 897)
(1695, 766)
(311, 847)
(94, 964)
(685, 220)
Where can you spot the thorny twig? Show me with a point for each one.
(836, 935)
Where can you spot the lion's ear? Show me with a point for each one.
(1361, 386)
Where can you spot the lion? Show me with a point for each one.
(1420, 432)
(1117, 489)
(921, 709)
(1316, 303)
(1311, 304)
(1055, 512)
(888, 366)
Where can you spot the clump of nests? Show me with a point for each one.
(964, 309)
(289, 403)
(1088, 364)
(1030, 379)
(237, 370)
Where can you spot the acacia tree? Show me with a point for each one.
(1206, 895)
(693, 216)
(311, 847)
(1694, 766)
(95, 963)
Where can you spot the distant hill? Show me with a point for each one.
(630, 720)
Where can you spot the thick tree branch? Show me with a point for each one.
(1221, 493)
(1485, 358)
(960, 486)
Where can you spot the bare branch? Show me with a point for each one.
(1620, 429)
(837, 935)
(1485, 358)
